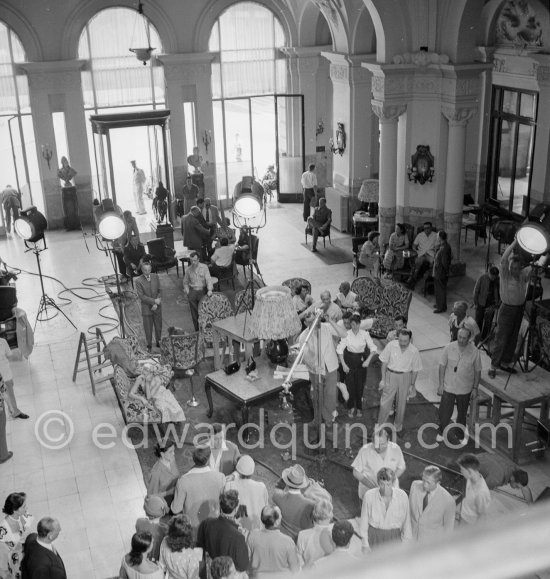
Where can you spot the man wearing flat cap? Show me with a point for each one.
(296, 510)
(252, 494)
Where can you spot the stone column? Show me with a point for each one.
(540, 184)
(55, 86)
(454, 177)
(351, 89)
(388, 116)
(188, 79)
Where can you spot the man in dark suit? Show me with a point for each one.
(441, 268)
(147, 287)
(41, 558)
(195, 231)
(133, 253)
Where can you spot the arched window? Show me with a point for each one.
(113, 76)
(256, 124)
(17, 141)
(248, 37)
(115, 81)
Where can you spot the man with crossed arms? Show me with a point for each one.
(400, 366)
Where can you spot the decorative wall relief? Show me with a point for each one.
(519, 25)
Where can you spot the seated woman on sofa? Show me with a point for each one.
(156, 395)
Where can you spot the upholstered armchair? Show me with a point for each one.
(386, 299)
(243, 304)
(183, 352)
(294, 282)
(211, 309)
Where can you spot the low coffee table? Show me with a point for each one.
(237, 388)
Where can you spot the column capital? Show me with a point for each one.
(188, 67)
(542, 63)
(349, 67)
(458, 116)
(53, 75)
(388, 112)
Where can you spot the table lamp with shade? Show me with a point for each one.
(369, 195)
(274, 319)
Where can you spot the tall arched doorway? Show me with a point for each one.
(256, 122)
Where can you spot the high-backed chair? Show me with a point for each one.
(211, 309)
(243, 300)
(183, 352)
(226, 274)
(294, 282)
(243, 257)
(163, 257)
(386, 300)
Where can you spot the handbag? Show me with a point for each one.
(232, 368)
(251, 366)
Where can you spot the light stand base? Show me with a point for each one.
(193, 402)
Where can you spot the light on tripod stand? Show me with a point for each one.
(248, 198)
(31, 225)
(534, 235)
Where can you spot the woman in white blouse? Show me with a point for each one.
(385, 513)
(356, 351)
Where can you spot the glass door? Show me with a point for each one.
(289, 113)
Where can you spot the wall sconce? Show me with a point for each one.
(340, 140)
(421, 169)
(207, 139)
(47, 154)
(320, 128)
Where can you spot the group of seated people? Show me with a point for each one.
(374, 257)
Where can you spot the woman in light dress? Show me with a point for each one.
(178, 558)
(164, 474)
(369, 256)
(156, 395)
(136, 565)
(14, 529)
(394, 259)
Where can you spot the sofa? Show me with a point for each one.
(133, 411)
(386, 299)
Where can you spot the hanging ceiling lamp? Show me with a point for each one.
(142, 54)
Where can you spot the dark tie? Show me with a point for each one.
(425, 501)
(148, 278)
(207, 214)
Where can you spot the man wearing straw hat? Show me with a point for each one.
(296, 510)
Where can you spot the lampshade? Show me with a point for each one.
(31, 225)
(534, 235)
(369, 192)
(248, 198)
(274, 316)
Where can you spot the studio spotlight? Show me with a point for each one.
(248, 198)
(31, 225)
(534, 235)
(111, 224)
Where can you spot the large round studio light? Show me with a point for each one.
(31, 225)
(248, 198)
(534, 235)
(111, 226)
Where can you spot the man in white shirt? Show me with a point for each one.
(316, 542)
(432, 507)
(400, 366)
(459, 374)
(332, 311)
(138, 180)
(385, 513)
(477, 498)
(222, 256)
(424, 245)
(252, 494)
(309, 186)
(328, 331)
(342, 556)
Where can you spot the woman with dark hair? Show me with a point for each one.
(164, 474)
(14, 529)
(135, 565)
(393, 259)
(177, 556)
(301, 298)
